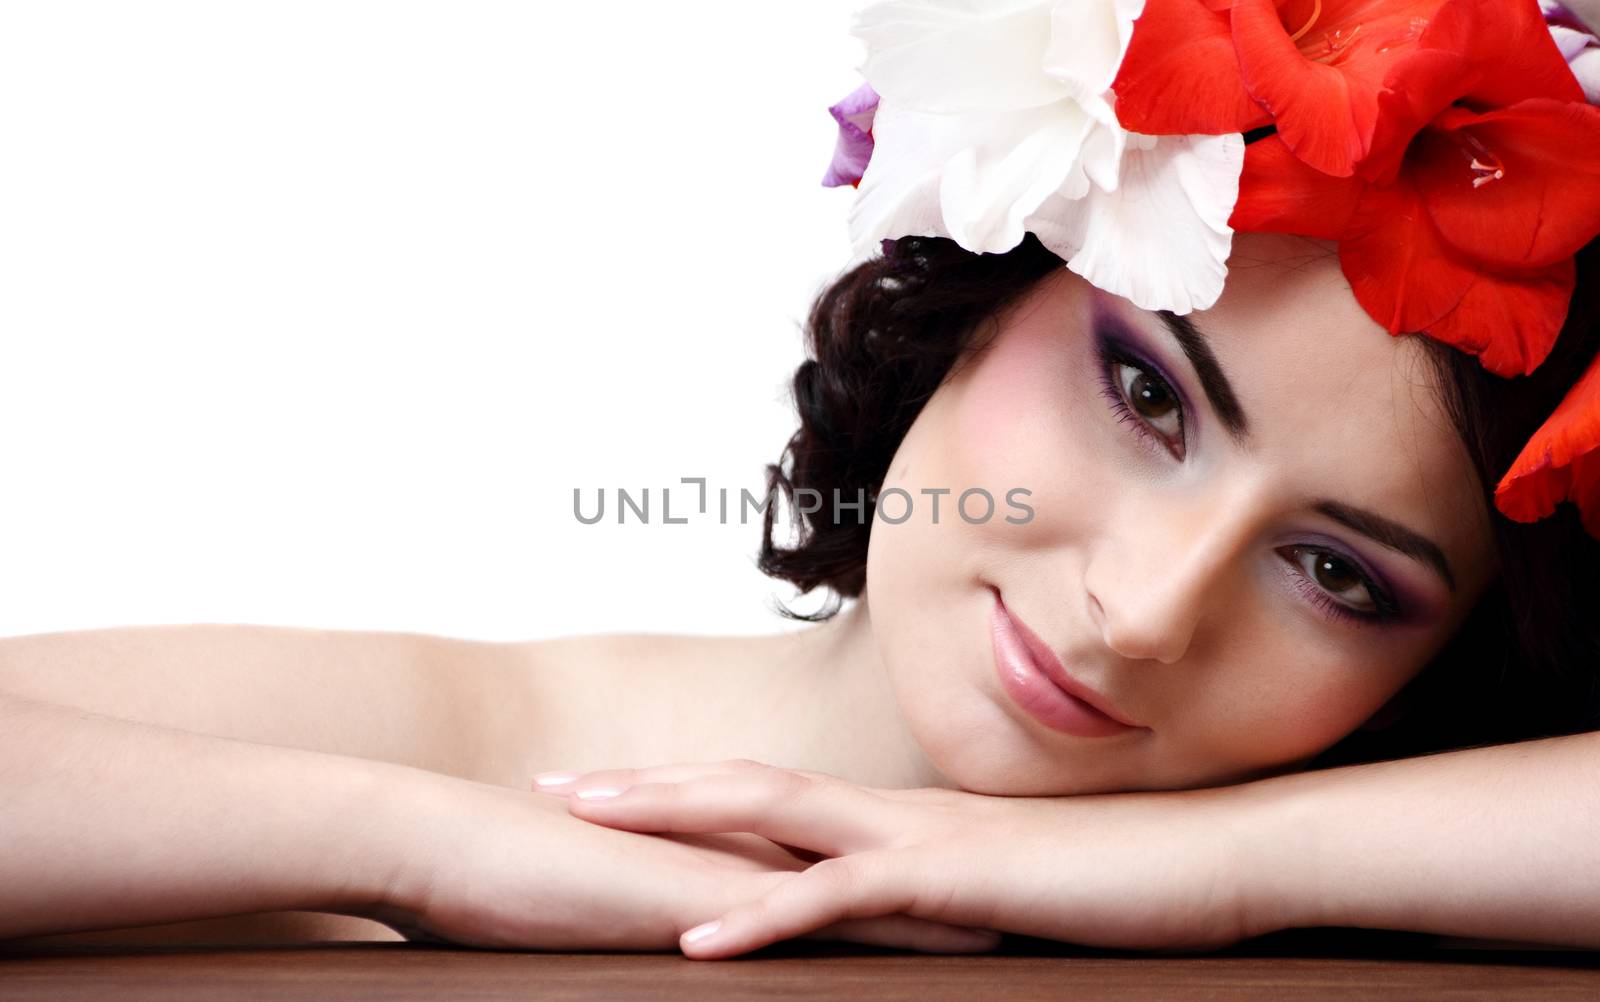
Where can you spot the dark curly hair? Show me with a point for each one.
(886, 333)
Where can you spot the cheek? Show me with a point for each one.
(1001, 405)
(1026, 420)
(1275, 704)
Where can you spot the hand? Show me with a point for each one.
(504, 868)
(1156, 871)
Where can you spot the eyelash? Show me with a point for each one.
(1386, 610)
(1111, 357)
(1111, 388)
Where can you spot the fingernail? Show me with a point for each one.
(598, 793)
(700, 932)
(544, 779)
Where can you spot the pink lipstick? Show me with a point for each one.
(1035, 680)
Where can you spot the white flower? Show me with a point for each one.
(1578, 46)
(995, 119)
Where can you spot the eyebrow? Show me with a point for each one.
(1225, 402)
(1391, 534)
(1216, 386)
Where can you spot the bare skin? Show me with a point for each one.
(487, 712)
(1158, 576)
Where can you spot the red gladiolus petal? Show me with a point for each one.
(1402, 273)
(1514, 188)
(1509, 49)
(1312, 103)
(1180, 75)
(1429, 81)
(1322, 81)
(1561, 462)
(1280, 194)
(1510, 321)
(1486, 53)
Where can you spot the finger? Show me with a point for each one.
(935, 796)
(906, 932)
(831, 817)
(564, 782)
(960, 805)
(831, 892)
(804, 855)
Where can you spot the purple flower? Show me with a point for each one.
(854, 146)
(1578, 45)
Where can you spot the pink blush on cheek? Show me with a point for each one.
(1013, 397)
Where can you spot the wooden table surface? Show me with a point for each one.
(1315, 963)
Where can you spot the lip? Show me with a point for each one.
(1036, 681)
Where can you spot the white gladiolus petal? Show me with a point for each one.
(1162, 239)
(1569, 41)
(899, 191)
(995, 119)
(1579, 49)
(988, 189)
(1087, 42)
(1102, 155)
(955, 55)
(971, 177)
(1586, 67)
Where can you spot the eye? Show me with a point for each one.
(1141, 396)
(1341, 588)
(1152, 399)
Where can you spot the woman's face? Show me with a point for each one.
(1250, 527)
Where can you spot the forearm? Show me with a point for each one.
(106, 823)
(1494, 843)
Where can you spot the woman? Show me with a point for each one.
(1238, 525)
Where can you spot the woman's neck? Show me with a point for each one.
(841, 713)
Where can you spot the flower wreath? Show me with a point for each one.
(1449, 147)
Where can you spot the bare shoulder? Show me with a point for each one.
(112, 645)
(633, 658)
(610, 700)
(122, 660)
(410, 698)
(579, 673)
(595, 648)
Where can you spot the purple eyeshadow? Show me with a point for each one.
(1115, 337)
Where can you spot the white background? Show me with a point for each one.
(315, 313)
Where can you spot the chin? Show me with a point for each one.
(1002, 763)
(1024, 785)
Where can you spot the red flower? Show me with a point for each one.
(1320, 65)
(1476, 53)
(1446, 147)
(1184, 47)
(1495, 284)
(1316, 67)
(1470, 237)
(1561, 462)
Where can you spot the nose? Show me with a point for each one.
(1150, 582)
